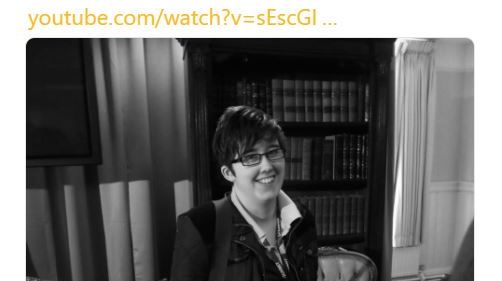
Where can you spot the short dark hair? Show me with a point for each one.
(239, 129)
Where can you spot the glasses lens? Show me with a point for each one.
(251, 159)
(275, 154)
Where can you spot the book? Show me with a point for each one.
(364, 215)
(255, 95)
(298, 158)
(240, 92)
(326, 101)
(353, 214)
(346, 214)
(306, 158)
(262, 97)
(300, 100)
(311, 205)
(339, 215)
(352, 156)
(364, 155)
(358, 173)
(309, 101)
(277, 99)
(345, 156)
(338, 157)
(352, 102)
(292, 155)
(287, 158)
(325, 215)
(367, 103)
(316, 171)
(344, 105)
(335, 101)
(332, 215)
(318, 214)
(317, 93)
(248, 94)
(289, 100)
(268, 98)
(360, 102)
(327, 159)
(360, 214)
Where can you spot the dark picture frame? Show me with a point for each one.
(61, 108)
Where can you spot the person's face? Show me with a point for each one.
(259, 182)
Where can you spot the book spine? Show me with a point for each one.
(327, 159)
(332, 215)
(248, 95)
(317, 93)
(240, 92)
(367, 103)
(309, 101)
(360, 102)
(339, 215)
(365, 215)
(316, 158)
(360, 214)
(255, 95)
(262, 97)
(364, 163)
(346, 214)
(299, 160)
(344, 105)
(326, 101)
(277, 99)
(307, 158)
(268, 98)
(318, 214)
(325, 216)
(358, 174)
(294, 156)
(287, 158)
(352, 102)
(289, 100)
(338, 157)
(300, 100)
(335, 99)
(353, 214)
(311, 205)
(352, 156)
(345, 157)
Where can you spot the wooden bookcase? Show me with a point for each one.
(216, 66)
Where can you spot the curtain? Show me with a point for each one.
(116, 221)
(414, 84)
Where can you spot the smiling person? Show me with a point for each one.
(256, 232)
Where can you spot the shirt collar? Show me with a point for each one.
(288, 212)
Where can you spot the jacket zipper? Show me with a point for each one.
(262, 266)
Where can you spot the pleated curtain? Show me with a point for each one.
(414, 85)
(140, 94)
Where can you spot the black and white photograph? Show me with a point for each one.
(253, 159)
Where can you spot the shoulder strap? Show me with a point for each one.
(222, 233)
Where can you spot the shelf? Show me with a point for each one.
(323, 128)
(340, 239)
(311, 185)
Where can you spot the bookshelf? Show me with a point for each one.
(331, 97)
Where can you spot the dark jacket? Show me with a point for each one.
(194, 241)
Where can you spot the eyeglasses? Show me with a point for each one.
(255, 158)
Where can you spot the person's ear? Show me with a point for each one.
(227, 173)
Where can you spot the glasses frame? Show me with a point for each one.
(261, 157)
